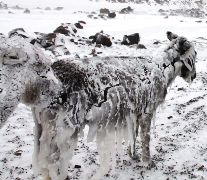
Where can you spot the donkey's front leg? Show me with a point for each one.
(145, 124)
(132, 135)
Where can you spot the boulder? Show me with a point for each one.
(112, 15)
(141, 46)
(27, 11)
(101, 38)
(47, 40)
(78, 25)
(18, 32)
(126, 10)
(131, 39)
(62, 30)
(104, 11)
(58, 8)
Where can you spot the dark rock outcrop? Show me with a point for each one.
(19, 32)
(131, 39)
(62, 30)
(126, 10)
(3, 5)
(46, 40)
(112, 15)
(78, 25)
(101, 38)
(141, 46)
(104, 11)
(27, 11)
(47, 8)
(58, 8)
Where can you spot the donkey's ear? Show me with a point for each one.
(187, 52)
(171, 35)
(189, 58)
(183, 45)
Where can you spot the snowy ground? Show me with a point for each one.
(178, 145)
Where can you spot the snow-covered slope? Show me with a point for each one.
(178, 145)
(162, 2)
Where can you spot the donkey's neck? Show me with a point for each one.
(171, 72)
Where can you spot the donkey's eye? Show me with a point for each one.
(38, 64)
(5, 55)
(13, 57)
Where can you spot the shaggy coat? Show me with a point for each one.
(115, 96)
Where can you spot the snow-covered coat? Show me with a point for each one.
(110, 94)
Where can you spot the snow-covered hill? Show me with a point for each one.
(189, 3)
(178, 145)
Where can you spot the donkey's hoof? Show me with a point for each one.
(151, 165)
(134, 157)
(146, 158)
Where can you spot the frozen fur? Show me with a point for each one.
(115, 96)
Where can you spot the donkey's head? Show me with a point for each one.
(25, 75)
(184, 52)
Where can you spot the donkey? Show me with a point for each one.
(115, 96)
(25, 76)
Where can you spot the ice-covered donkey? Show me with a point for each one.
(25, 76)
(113, 95)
